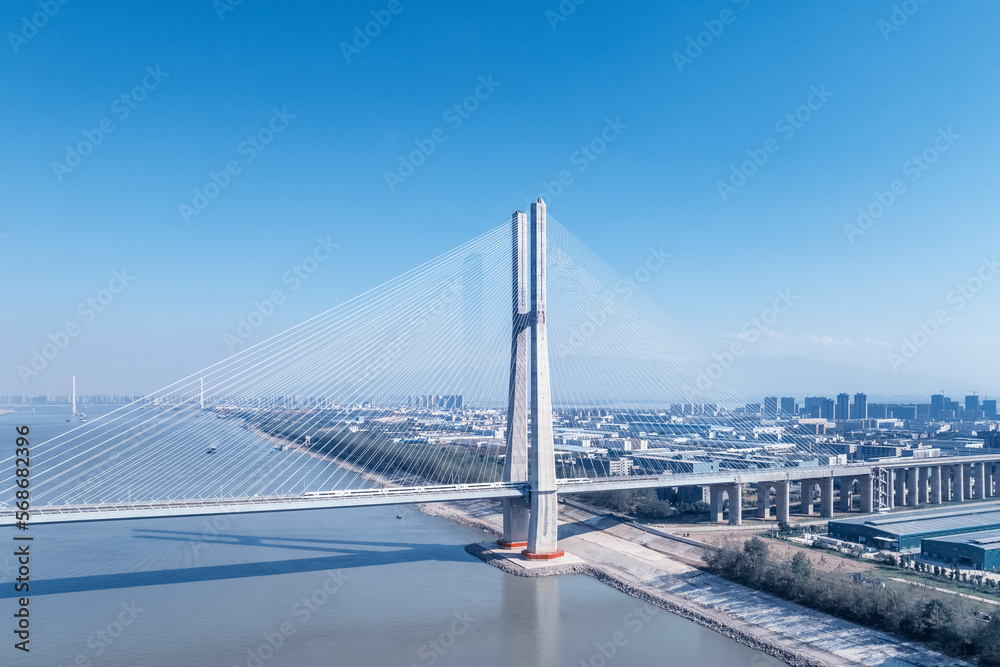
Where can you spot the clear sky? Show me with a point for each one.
(832, 100)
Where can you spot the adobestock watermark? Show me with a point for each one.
(121, 108)
(223, 7)
(454, 116)
(217, 525)
(696, 44)
(914, 168)
(751, 331)
(362, 39)
(301, 611)
(581, 159)
(562, 13)
(432, 650)
(393, 350)
(610, 300)
(248, 150)
(30, 25)
(105, 637)
(294, 277)
(901, 13)
(957, 298)
(86, 311)
(786, 127)
(606, 651)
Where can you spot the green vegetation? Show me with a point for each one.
(958, 627)
(647, 505)
(374, 450)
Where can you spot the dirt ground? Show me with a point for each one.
(783, 550)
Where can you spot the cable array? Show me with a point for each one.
(406, 385)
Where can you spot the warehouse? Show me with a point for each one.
(905, 530)
(978, 550)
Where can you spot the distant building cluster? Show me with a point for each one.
(451, 402)
(93, 399)
(940, 408)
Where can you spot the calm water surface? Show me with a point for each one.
(341, 587)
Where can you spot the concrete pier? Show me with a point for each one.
(826, 497)
(516, 512)
(542, 528)
(782, 493)
(865, 486)
(935, 475)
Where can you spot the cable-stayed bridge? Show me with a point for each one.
(488, 372)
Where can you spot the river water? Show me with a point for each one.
(340, 587)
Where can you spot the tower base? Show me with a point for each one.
(558, 553)
(511, 545)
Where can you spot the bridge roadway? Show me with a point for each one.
(444, 493)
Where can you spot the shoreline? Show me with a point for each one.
(606, 561)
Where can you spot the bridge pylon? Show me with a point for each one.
(516, 516)
(543, 538)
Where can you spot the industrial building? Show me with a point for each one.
(979, 550)
(905, 531)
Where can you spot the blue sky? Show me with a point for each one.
(554, 85)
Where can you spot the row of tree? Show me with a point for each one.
(957, 628)
(646, 504)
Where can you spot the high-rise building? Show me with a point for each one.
(860, 408)
(937, 405)
(815, 406)
(972, 403)
(771, 406)
(902, 411)
(788, 406)
(878, 411)
(990, 409)
(843, 406)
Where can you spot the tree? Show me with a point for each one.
(936, 620)
(988, 642)
(801, 568)
(754, 560)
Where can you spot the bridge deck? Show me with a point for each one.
(444, 493)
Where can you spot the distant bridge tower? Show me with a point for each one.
(541, 538)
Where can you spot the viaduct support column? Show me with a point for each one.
(911, 487)
(935, 473)
(990, 493)
(958, 483)
(846, 491)
(867, 499)
(922, 477)
(763, 500)
(516, 515)
(967, 477)
(826, 497)
(735, 504)
(715, 503)
(543, 536)
(900, 496)
(980, 486)
(806, 496)
(781, 491)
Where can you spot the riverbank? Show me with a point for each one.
(664, 571)
(661, 570)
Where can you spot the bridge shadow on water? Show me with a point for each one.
(345, 554)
